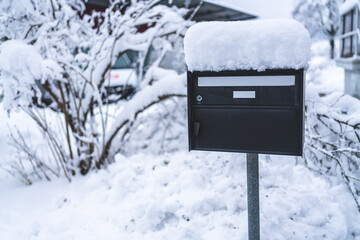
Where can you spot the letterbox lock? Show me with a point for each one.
(199, 98)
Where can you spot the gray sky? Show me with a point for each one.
(262, 8)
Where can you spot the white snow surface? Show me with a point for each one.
(347, 6)
(180, 196)
(246, 45)
(21, 64)
(323, 76)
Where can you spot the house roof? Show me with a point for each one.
(208, 11)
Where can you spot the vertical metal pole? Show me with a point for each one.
(252, 168)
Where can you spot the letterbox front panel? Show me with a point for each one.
(274, 131)
(246, 111)
(278, 89)
(260, 96)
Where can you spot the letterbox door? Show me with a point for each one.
(229, 111)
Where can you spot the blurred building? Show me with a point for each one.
(201, 10)
(349, 57)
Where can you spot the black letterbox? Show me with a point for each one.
(246, 111)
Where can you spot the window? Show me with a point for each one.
(358, 19)
(127, 60)
(358, 26)
(346, 47)
(348, 23)
(348, 43)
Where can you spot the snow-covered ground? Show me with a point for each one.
(182, 195)
(179, 196)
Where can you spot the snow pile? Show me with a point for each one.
(348, 106)
(182, 196)
(258, 45)
(347, 6)
(323, 76)
(20, 64)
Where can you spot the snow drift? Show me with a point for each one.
(257, 45)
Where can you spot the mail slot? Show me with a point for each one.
(246, 111)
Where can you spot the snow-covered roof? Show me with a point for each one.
(348, 5)
(257, 45)
(233, 7)
(262, 9)
(211, 10)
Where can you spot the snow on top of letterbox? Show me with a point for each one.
(247, 45)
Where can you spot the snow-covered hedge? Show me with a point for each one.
(49, 49)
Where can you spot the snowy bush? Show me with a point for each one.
(333, 139)
(160, 130)
(332, 143)
(50, 48)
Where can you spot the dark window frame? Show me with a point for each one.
(349, 51)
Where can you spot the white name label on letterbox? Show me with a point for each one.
(246, 81)
(243, 94)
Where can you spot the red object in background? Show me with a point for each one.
(143, 27)
(89, 9)
(100, 20)
(92, 7)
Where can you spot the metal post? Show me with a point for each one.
(252, 165)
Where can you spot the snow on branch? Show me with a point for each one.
(332, 139)
(62, 61)
(171, 85)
